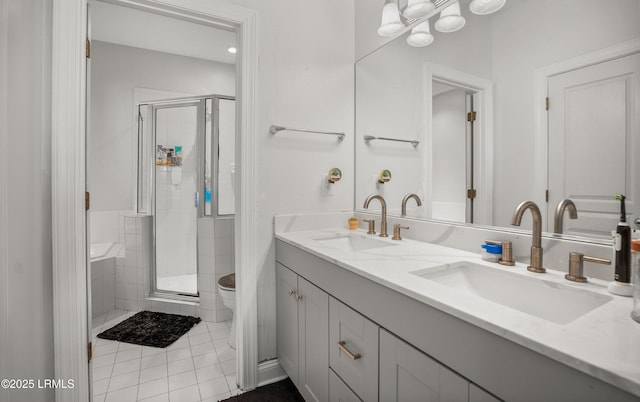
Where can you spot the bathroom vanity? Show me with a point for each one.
(365, 318)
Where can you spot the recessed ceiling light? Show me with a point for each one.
(232, 50)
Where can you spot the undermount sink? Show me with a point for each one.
(352, 242)
(551, 301)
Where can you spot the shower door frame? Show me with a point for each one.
(200, 104)
(215, 153)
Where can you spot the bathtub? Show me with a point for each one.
(99, 250)
(103, 258)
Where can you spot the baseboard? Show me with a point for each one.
(269, 372)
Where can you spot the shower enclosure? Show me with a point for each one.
(186, 169)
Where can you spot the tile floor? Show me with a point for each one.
(198, 367)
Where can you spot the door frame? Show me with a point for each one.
(68, 172)
(541, 133)
(483, 130)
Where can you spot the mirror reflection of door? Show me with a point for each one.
(593, 117)
(452, 154)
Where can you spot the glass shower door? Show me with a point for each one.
(177, 180)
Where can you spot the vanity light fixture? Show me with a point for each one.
(418, 8)
(450, 19)
(484, 7)
(232, 49)
(391, 23)
(420, 35)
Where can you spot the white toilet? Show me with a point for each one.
(227, 289)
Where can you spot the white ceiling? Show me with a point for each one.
(130, 27)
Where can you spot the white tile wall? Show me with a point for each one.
(133, 272)
(206, 269)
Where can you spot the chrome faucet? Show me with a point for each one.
(383, 220)
(559, 215)
(404, 202)
(536, 236)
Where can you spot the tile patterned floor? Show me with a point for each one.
(198, 367)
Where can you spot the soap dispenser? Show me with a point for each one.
(622, 244)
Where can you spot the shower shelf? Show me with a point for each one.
(168, 166)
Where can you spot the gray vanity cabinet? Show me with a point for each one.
(477, 394)
(427, 353)
(303, 335)
(406, 374)
(353, 349)
(338, 390)
(287, 321)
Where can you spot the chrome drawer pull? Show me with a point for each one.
(291, 292)
(348, 352)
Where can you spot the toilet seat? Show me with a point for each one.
(228, 282)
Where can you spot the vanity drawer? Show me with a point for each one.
(338, 390)
(353, 349)
(407, 374)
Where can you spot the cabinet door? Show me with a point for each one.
(406, 374)
(313, 338)
(338, 390)
(358, 365)
(287, 320)
(477, 394)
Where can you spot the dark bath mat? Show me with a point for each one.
(281, 391)
(148, 328)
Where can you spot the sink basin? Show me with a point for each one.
(551, 301)
(352, 242)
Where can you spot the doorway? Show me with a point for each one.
(453, 160)
(459, 145)
(68, 174)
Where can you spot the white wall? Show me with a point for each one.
(115, 71)
(305, 80)
(26, 294)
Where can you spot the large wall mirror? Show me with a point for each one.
(475, 103)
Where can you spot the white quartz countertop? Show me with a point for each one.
(604, 342)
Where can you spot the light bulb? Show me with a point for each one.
(420, 35)
(483, 7)
(391, 23)
(450, 19)
(418, 8)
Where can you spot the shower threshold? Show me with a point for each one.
(189, 300)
